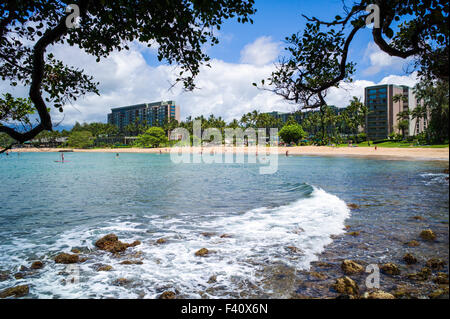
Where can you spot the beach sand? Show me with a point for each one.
(366, 152)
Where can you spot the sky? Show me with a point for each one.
(246, 54)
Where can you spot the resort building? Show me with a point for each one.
(382, 118)
(152, 114)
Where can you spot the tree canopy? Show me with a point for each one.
(318, 58)
(179, 29)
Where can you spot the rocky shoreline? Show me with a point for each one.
(412, 277)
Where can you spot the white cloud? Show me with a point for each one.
(225, 89)
(381, 61)
(341, 96)
(260, 52)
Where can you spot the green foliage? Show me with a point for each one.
(179, 29)
(292, 133)
(80, 139)
(153, 137)
(5, 140)
(435, 98)
(15, 109)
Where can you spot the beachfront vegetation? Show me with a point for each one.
(179, 31)
(80, 139)
(292, 133)
(152, 137)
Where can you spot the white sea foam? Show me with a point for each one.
(259, 238)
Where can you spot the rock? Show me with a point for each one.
(64, 258)
(409, 259)
(318, 275)
(352, 206)
(418, 218)
(445, 171)
(346, 285)
(105, 268)
(439, 294)
(390, 269)
(131, 262)
(122, 282)
(212, 279)
(75, 250)
(161, 241)
(225, 236)
(202, 252)
(4, 275)
(17, 291)
(428, 234)
(19, 275)
(206, 234)
(167, 295)
(294, 250)
(23, 268)
(347, 227)
(435, 263)
(112, 244)
(441, 278)
(422, 275)
(378, 294)
(82, 259)
(413, 243)
(353, 233)
(349, 267)
(37, 265)
(405, 293)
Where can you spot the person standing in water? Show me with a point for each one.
(117, 155)
(62, 157)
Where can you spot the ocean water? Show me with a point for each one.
(289, 218)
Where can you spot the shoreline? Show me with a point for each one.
(425, 154)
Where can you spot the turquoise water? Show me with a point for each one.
(48, 207)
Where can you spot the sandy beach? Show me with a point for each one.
(366, 152)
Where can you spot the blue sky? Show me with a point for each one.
(246, 54)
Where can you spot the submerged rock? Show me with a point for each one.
(19, 275)
(435, 263)
(64, 258)
(318, 275)
(161, 241)
(418, 218)
(350, 267)
(441, 278)
(390, 269)
(212, 279)
(439, 294)
(422, 275)
(202, 252)
(37, 265)
(413, 243)
(352, 206)
(4, 275)
(75, 250)
(225, 236)
(17, 291)
(378, 294)
(354, 233)
(104, 268)
(410, 259)
(346, 285)
(208, 234)
(428, 234)
(112, 244)
(122, 282)
(294, 250)
(167, 295)
(131, 262)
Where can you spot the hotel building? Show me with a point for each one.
(152, 114)
(382, 117)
